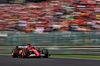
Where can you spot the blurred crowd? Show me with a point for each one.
(58, 15)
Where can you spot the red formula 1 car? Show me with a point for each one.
(29, 52)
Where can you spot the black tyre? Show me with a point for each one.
(45, 52)
(15, 53)
(25, 53)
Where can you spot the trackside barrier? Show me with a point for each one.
(89, 50)
(61, 38)
(65, 42)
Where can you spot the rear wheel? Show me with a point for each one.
(25, 53)
(15, 53)
(45, 52)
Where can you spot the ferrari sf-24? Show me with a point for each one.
(24, 52)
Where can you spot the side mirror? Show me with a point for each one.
(38, 49)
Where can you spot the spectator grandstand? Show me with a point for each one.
(49, 16)
(51, 23)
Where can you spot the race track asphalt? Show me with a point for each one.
(7, 60)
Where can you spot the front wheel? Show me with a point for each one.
(25, 53)
(45, 52)
(15, 53)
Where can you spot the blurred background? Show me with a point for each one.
(62, 26)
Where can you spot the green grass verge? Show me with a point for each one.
(6, 53)
(77, 56)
